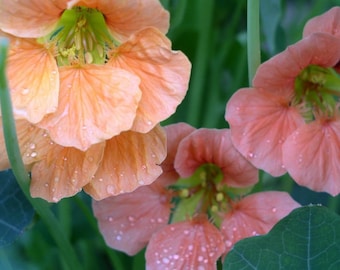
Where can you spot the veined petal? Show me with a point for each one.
(278, 74)
(30, 18)
(195, 244)
(95, 104)
(127, 17)
(312, 155)
(214, 146)
(260, 122)
(127, 221)
(164, 75)
(34, 143)
(64, 171)
(328, 22)
(33, 79)
(255, 214)
(130, 160)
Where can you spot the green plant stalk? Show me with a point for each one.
(253, 38)
(19, 171)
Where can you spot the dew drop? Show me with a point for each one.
(100, 179)
(46, 184)
(54, 199)
(149, 122)
(190, 247)
(54, 72)
(110, 189)
(200, 258)
(25, 91)
(56, 179)
(251, 155)
(152, 220)
(228, 243)
(176, 257)
(119, 237)
(143, 167)
(141, 182)
(160, 220)
(165, 260)
(33, 154)
(110, 219)
(186, 232)
(153, 155)
(32, 146)
(234, 229)
(131, 218)
(274, 209)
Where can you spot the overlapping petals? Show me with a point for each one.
(127, 230)
(34, 91)
(130, 160)
(215, 147)
(193, 244)
(127, 17)
(93, 105)
(260, 123)
(312, 155)
(255, 214)
(164, 75)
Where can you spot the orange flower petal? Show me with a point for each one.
(33, 79)
(195, 244)
(64, 172)
(30, 18)
(214, 146)
(328, 22)
(312, 156)
(278, 74)
(34, 143)
(127, 221)
(130, 160)
(260, 122)
(255, 214)
(95, 104)
(164, 75)
(127, 17)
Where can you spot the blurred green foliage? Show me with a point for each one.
(212, 33)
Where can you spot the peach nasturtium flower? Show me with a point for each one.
(88, 70)
(118, 165)
(295, 94)
(197, 203)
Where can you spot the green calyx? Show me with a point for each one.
(81, 37)
(318, 89)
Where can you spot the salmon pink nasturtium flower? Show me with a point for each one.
(118, 165)
(294, 94)
(88, 70)
(196, 204)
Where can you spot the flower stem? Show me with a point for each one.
(253, 38)
(19, 171)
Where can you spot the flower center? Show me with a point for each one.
(317, 89)
(204, 192)
(81, 37)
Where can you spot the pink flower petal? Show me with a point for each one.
(164, 75)
(278, 74)
(214, 146)
(312, 155)
(64, 172)
(127, 221)
(195, 244)
(328, 22)
(30, 18)
(95, 104)
(255, 214)
(130, 160)
(260, 122)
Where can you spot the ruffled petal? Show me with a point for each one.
(312, 156)
(34, 91)
(195, 244)
(95, 104)
(34, 144)
(164, 75)
(328, 22)
(260, 123)
(127, 17)
(278, 74)
(30, 18)
(64, 172)
(127, 221)
(214, 146)
(130, 160)
(255, 214)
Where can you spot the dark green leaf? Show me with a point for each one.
(308, 238)
(16, 212)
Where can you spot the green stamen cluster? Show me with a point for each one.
(81, 37)
(318, 89)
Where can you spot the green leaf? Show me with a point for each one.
(16, 212)
(308, 238)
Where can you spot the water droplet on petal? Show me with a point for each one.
(33, 154)
(32, 146)
(25, 91)
(119, 237)
(228, 243)
(131, 218)
(251, 155)
(141, 182)
(56, 179)
(110, 189)
(274, 209)
(165, 260)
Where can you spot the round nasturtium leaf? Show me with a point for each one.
(16, 212)
(308, 238)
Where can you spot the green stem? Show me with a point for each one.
(19, 171)
(253, 37)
